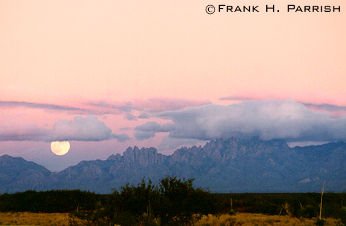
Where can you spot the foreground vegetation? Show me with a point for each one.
(65, 219)
(28, 218)
(173, 202)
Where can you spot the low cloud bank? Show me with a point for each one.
(87, 128)
(267, 119)
(149, 129)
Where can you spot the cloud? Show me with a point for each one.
(170, 144)
(267, 119)
(144, 116)
(85, 110)
(240, 98)
(121, 137)
(149, 129)
(299, 96)
(149, 105)
(112, 107)
(337, 110)
(82, 129)
(40, 106)
(130, 117)
(23, 133)
(144, 107)
(329, 103)
(144, 135)
(162, 104)
(156, 127)
(79, 129)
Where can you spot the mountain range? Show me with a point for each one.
(221, 165)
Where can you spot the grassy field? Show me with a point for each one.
(259, 219)
(62, 219)
(27, 218)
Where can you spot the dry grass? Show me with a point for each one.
(26, 218)
(245, 219)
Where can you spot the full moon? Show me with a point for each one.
(60, 147)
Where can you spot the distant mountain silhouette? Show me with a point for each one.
(222, 165)
(17, 174)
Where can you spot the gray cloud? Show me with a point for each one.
(156, 127)
(126, 107)
(102, 107)
(143, 135)
(126, 129)
(149, 129)
(147, 106)
(144, 107)
(40, 106)
(238, 97)
(121, 137)
(322, 106)
(24, 133)
(267, 119)
(54, 107)
(326, 107)
(166, 104)
(144, 116)
(170, 144)
(130, 117)
(79, 129)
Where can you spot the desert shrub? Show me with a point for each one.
(180, 200)
(307, 211)
(138, 199)
(320, 222)
(173, 201)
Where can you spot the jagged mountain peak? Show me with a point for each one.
(143, 156)
(222, 165)
(222, 149)
(136, 149)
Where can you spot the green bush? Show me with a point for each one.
(172, 202)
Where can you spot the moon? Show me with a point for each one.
(60, 147)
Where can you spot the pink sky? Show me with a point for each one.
(158, 55)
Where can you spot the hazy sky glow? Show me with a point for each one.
(109, 74)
